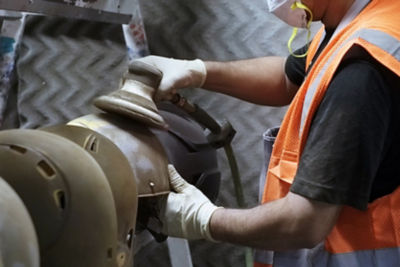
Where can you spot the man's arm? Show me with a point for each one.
(293, 222)
(259, 80)
(289, 223)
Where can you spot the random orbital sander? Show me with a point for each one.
(134, 99)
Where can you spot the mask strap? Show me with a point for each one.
(295, 30)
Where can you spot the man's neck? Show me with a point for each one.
(335, 12)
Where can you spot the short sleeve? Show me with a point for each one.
(346, 139)
(295, 67)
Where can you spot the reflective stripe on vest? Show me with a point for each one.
(376, 38)
(369, 258)
(388, 257)
(263, 258)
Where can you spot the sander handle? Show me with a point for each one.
(197, 113)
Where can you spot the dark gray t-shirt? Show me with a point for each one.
(352, 153)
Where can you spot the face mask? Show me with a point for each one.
(292, 12)
(289, 11)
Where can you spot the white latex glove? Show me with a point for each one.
(177, 74)
(186, 213)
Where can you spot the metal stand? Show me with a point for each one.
(11, 31)
(107, 11)
(179, 252)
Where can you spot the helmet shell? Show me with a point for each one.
(142, 149)
(120, 177)
(67, 195)
(18, 241)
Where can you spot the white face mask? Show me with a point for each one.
(289, 12)
(293, 12)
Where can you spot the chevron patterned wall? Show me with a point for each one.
(64, 64)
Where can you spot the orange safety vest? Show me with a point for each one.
(368, 238)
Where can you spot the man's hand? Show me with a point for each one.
(177, 74)
(186, 213)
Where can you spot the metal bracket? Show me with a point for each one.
(119, 12)
(179, 252)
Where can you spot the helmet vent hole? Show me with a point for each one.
(45, 170)
(18, 149)
(92, 144)
(129, 238)
(110, 253)
(59, 197)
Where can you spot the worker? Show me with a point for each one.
(331, 197)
